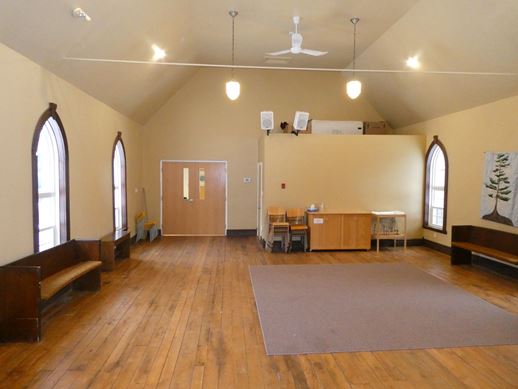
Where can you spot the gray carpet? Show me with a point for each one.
(368, 307)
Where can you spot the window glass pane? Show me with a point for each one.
(48, 162)
(47, 212)
(118, 185)
(47, 239)
(436, 185)
(437, 198)
(186, 183)
(201, 181)
(47, 154)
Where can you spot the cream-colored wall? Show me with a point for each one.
(90, 126)
(200, 123)
(466, 136)
(347, 173)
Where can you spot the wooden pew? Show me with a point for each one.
(502, 246)
(27, 285)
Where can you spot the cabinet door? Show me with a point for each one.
(349, 232)
(363, 228)
(356, 232)
(326, 232)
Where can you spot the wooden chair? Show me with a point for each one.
(298, 227)
(278, 227)
(144, 228)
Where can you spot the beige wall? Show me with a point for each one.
(466, 136)
(90, 127)
(346, 173)
(200, 123)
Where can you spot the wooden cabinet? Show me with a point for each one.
(325, 232)
(339, 231)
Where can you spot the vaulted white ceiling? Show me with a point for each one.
(463, 35)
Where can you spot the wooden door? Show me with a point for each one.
(326, 232)
(193, 198)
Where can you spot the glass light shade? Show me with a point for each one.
(233, 89)
(354, 89)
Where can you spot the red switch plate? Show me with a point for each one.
(283, 186)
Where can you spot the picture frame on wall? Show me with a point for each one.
(499, 199)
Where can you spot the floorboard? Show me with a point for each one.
(180, 313)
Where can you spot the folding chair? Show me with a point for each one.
(144, 228)
(298, 227)
(278, 227)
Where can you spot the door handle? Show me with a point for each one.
(190, 200)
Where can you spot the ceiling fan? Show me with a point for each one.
(296, 40)
(296, 44)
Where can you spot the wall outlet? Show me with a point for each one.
(247, 180)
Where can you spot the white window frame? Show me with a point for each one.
(119, 185)
(435, 215)
(50, 157)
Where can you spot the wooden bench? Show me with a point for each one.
(502, 246)
(115, 245)
(27, 285)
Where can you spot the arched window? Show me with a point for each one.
(50, 193)
(120, 218)
(436, 188)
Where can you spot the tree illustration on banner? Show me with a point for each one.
(500, 188)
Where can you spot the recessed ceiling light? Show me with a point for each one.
(158, 53)
(413, 62)
(79, 13)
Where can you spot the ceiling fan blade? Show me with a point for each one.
(314, 53)
(280, 52)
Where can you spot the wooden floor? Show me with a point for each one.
(181, 313)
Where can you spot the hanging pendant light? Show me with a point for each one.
(354, 87)
(232, 87)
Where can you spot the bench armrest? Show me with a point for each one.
(19, 292)
(88, 250)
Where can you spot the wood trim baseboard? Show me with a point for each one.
(399, 242)
(437, 246)
(242, 232)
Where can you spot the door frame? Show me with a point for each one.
(260, 194)
(162, 161)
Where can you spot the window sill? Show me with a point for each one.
(434, 229)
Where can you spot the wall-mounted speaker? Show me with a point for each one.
(300, 122)
(267, 120)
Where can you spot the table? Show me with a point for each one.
(381, 233)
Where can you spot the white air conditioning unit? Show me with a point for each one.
(332, 127)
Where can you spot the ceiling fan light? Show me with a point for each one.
(354, 89)
(233, 89)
